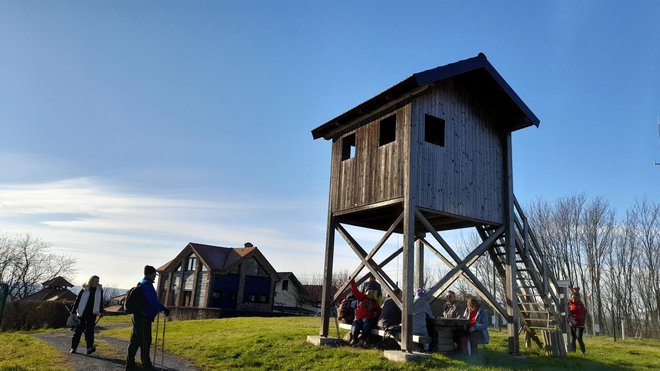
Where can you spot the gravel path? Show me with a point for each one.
(110, 353)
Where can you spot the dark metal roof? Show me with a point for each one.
(476, 73)
(58, 281)
(217, 258)
(52, 294)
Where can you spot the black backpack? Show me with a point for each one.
(135, 300)
(346, 310)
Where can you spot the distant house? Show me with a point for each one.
(116, 304)
(293, 297)
(55, 289)
(204, 276)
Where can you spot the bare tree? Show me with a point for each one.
(29, 263)
(597, 237)
(647, 226)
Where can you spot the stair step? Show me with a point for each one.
(534, 311)
(542, 328)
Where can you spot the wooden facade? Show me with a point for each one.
(431, 153)
(205, 276)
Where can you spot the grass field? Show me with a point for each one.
(20, 351)
(280, 344)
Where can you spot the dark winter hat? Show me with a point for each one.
(149, 270)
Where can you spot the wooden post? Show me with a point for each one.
(408, 278)
(419, 264)
(510, 266)
(409, 207)
(326, 297)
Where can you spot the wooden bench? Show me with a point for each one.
(396, 336)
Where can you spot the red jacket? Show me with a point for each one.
(577, 310)
(366, 308)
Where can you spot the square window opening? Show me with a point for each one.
(348, 150)
(434, 130)
(387, 130)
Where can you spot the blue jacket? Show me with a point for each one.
(153, 306)
(483, 320)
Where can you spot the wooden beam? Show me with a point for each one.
(375, 270)
(419, 264)
(470, 279)
(327, 275)
(510, 249)
(345, 285)
(469, 259)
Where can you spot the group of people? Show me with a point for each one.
(89, 306)
(363, 309)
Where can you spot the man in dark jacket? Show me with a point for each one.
(141, 334)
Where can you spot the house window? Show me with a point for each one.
(192, 263)
(348, 150)
(285, 285)
(387, 130)
(257, 289)
(434, 130)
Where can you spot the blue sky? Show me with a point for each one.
(131, 128)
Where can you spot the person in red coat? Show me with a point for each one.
(577, 318)
(366, 313)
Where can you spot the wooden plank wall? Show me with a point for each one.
(375, 174)
(465, 177)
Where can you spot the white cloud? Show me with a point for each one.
(113, 233)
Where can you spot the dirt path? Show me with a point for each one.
(110, 352)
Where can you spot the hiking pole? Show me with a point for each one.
(333, 313)
(156, 342)
(162, 350)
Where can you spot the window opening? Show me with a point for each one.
(434, 130)
(192, 263)
(348, 149)
(387, 130)
(285, 285)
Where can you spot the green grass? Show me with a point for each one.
(20, 351)
(280, 343)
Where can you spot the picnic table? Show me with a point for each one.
(443, 331)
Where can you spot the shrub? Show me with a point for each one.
(26, 315)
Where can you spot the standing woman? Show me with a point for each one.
(89, 304)
(577, 319)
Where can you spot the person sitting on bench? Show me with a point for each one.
(479, 321)
(366, 313)
(390, 315)
(421, 313)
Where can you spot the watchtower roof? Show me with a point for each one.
(476, 73)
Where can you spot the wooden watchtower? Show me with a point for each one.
(429, 154)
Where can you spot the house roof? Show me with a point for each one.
(58, 281)
(218, 258)
(52, 294)
(476, 73)
(289, 276)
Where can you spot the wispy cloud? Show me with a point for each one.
(113, 231)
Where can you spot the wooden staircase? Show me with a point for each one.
(539, 301)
